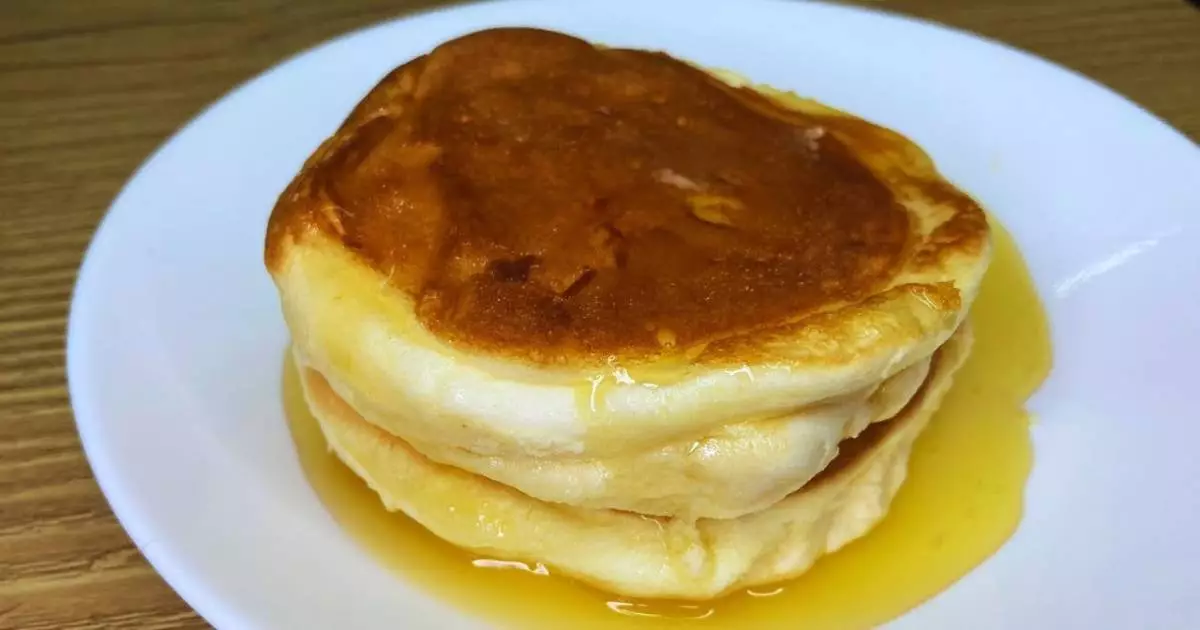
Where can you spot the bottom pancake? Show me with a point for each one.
(631, 554)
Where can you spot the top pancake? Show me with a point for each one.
(528, 195)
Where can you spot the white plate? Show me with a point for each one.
(175, 337)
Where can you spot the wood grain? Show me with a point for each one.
(89, 88)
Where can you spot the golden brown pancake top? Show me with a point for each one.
(539, 196)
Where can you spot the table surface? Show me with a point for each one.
(88, 88)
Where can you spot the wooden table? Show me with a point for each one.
(88, 88)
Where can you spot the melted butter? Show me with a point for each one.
(961, 502)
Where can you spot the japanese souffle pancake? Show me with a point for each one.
(656, 327)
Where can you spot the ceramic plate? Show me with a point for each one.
(176, 338)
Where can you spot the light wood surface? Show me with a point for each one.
(88, 88)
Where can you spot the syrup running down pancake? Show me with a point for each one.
(633, 554)
(614, 283)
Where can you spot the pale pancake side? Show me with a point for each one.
(631, 554)
(728, 472)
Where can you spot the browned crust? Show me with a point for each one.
(388, 186)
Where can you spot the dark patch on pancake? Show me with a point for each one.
(651, 195)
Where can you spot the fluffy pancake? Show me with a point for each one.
(732, 471)
(532, 257)
(631, 554)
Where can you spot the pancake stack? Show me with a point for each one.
(648, 325)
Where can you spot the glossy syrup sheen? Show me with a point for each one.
(540, 197)
(961, 502)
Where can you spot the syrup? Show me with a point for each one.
(961, 502)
